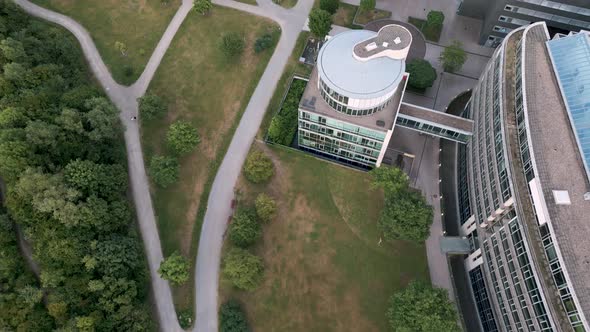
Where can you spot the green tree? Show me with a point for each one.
(151, 107)
(266, 207)
(174, 268)
(367, 5)
(406, 216)
(244, 229)
(422, 308)
(258, 167)
(164, 170)
(244, 270)
(264, 42)
(453, 57)
(391, 179)
(232, 317)
(85, 324)
(232, 45)
(30, 295)
(182, 137)
(422, 74)
(320, 23)
(435, 18)
(202, 6)
(331, 6)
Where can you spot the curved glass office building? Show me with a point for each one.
(523, 184)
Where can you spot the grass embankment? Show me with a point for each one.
(431, 32)
(325, 268)
(137, 24)
(365, 16)
(286, 3)
(201, 87)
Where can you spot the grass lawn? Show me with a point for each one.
(286, 3)
(202, 87)
(139, 24)
(324, 267)
(365, 16)
(344, 15)
(293, 67)
(431, 33)
(250, 2)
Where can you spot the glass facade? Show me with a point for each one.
(341, 140)
(482, 300)
(340, 103)
(571, 59)
(545, 16)
(431, 129)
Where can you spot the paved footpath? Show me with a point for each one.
(222, 192)
(125, 98)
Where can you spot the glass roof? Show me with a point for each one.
(571, 60)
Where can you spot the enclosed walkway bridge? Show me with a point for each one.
(434, 123)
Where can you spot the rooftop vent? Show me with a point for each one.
(562, 197)
(397, 40)
(380, 123)
(371, 46)
(385, 44)
(587, 196)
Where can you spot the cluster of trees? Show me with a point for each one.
(406, 214)
(241, 267)
(232, 44)
(422, 74)
(283, 125)
(62, 159)
(422, 308)
(181, 139)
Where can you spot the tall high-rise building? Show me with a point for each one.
(523, 184)
(500, 17)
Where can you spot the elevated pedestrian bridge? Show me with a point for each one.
(434, 123)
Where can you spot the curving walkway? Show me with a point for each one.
(218, 206)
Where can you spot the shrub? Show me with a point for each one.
(421, 307)
(182, 137)
(244, 229)
(232, 45)
(331, 6)
(367, 5)
(243, 270)
(258, 167)
(266, 207)
(164, 170)
(128, 70)
(264, 42)
(283, 125)
(232, 318)
(174, 268)
(202, 6)
(185, 319)
(453, 57)
(320, 22)
(435, 18)
(151, 107)
(422, 74)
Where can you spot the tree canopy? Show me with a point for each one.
(422, 308)
(266, 207)
(164, 170)
(435, 18)
(62, 159)
(453, 57)
(151, 107)
(406, 214)
(244, 229)
(243, 270)
(422, 74)
(331, 6)
(232, 318)
(174, 268)
(182, 137)
(202, 6)
(320, 23)
(258, 167)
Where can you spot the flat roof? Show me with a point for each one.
(390, 37)
(387, 115)
(559, 163)
(354, 78)
(440, 118)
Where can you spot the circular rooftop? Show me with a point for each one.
(355, 77)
